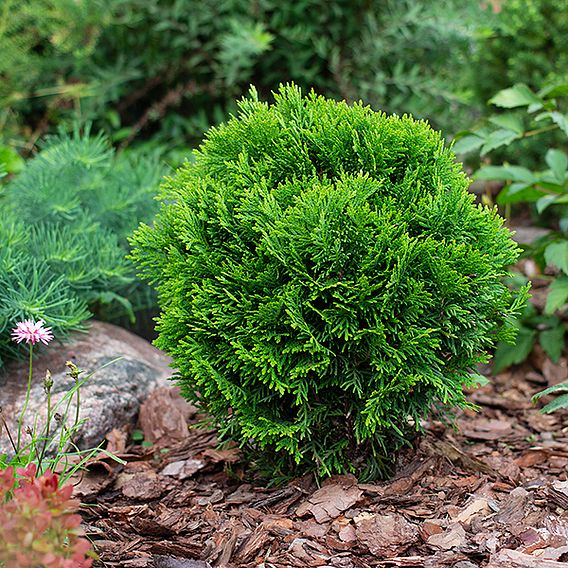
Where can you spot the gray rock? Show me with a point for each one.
(125, 367)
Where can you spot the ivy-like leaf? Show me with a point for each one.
(517, 96)
(558, 162)
(507, 355)
(557, 295)
(552, 341)
(557, 254)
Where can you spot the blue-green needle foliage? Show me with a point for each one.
(325, 280)
(64, 222)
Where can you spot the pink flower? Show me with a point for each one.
(31, 332)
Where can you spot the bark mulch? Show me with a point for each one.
(493, 493)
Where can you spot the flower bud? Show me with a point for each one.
(74, 371)
(47, 382)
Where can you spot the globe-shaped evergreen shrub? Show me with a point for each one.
(325, 280)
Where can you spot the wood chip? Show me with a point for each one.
(183, 469)
(386, 535)
(329, 501)
(507, 558)
(559, 493)
(488, 430)
(453, 537)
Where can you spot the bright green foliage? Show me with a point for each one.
(63, 226)
(171, 68)
(528, 45)
(324, 279)
(538, 116)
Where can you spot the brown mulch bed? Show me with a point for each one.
(493, 493)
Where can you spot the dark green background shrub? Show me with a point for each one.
(325, 279)
(64, 222)
(527, 45)
(170, 69)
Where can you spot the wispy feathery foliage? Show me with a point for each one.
(64, 222)
(325, 279)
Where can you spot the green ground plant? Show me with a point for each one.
(529, 114)
(50, 446)
(64, 221)
(39, 524)
(325, 281)
(560, 402)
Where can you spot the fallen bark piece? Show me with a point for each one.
(479, 506)
(278, 525)
(514, 509)
(330, 501)
(507, 558)
(229, 455)
(310, 552)
(347, 534)
(559, 493)
(429, 528)
(557, 527)
(410, 561)
(532, 540)
(552, 553)
(173, 562)
(183, 469)
(453, 537)
(386, 535)
(144, 484)
(489, 430)
(457, 457)
(164, 415)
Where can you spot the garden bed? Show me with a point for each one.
(493, 494)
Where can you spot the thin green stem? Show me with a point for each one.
(20, 422)
(78, 403)
(46, 440)
(538, 131)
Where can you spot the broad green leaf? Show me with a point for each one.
(517, 96)
(508, 122)
(558, 162)
(557, 295)
(507, 355)
(544, 202)
(556, 404)
(468, 144)
(518, 193)
(548, 181)
(505, 173)
(554, 91)
(552, 341)
(521, 174)
(479, 379)
(560, 120)
(557, 254)
(497, 139)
